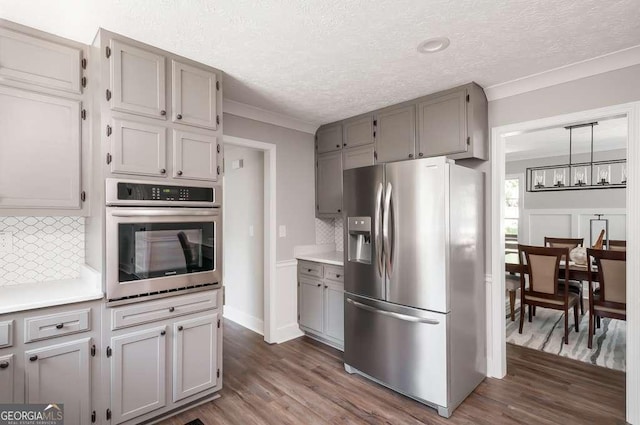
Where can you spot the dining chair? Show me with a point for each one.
(610, 299)
(617, 245)
(570, 243)
(512, 283)
(542, 267)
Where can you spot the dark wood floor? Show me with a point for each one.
(303, 382)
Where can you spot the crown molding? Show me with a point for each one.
(240, 109)
(598, 65)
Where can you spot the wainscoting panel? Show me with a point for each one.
(543, 224)
(286, 301)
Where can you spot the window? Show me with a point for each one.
(512, 213)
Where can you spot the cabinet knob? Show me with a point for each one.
(337, 146)
(172, 309)
(4, 365)
(163, 112)
(410, 155)
(163, 333)
(179, 172)
(319, 285)
(344, 144)
(163, 171)
(338, 276)
(420, 154)
(325, 286)
(180, 328)
(59, 325)
(339, 210)
(179, 116)
(33, 358)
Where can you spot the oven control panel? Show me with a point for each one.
(156, 192)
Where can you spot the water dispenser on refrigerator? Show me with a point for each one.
(359, 244)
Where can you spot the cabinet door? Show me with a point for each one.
(329, 183)
(138, 81)
(329, 138)
(195, 156)
(360, 156)
(358, 132)
(396, 134)
(442, 124)
(310, 304)
(6, 379)
(194, 96)
(334, 311)
(195, 356)
(39, 151)
(39, 62)
(138, 373)
(61, 374)
(138, 148)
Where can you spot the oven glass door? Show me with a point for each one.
(155, 250)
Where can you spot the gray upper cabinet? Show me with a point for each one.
(39, 62)
(360, 156)
(40, 150)
(195, 156)
(137, 81)
(194, 96)
(395, 133)
(329, 138)
(138, 148)
(357, 132)
(329, 184)
(453, 123)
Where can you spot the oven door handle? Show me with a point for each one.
(162, 213)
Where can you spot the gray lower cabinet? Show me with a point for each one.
(61, 373)
(395, 133)
(138, 373)
(7, 379)
(321, 302)
(360, 156)
(329, 184)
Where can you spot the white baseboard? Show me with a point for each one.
(287, 333)
(244, 319)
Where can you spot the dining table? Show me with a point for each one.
(576, 271)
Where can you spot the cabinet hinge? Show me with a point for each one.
(109, 158)
(218, 148)
(218, 119)
(468, 98)
(375, 155)
(93, 417)
(108, 94)
(83, 63)
(298, 317)
(108, 51)
(108, 351)
(374, 134)
(83, 114)
(218, 170)
(318, 207)
(83, 197)
(468, 141)
(84, 81)
(218, 85)
(108, 415)
(109, 130)
(218, 373)
(93, 347)
(218, 323)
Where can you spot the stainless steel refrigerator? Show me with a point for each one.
(414, 278)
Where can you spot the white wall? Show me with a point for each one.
(244, 237)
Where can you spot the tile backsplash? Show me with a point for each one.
(43, 249)
(329, 230)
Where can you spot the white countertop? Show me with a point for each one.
(30, 296)
(335, 258)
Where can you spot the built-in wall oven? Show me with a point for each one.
(161, 238)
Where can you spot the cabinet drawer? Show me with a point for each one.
(6, 334)
(310, 269)
(54, 325)
(137, 314)
(334, 273)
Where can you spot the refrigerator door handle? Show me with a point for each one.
(376, 229)
(385, 229)
(399, 316)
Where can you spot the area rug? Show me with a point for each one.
(546, 331)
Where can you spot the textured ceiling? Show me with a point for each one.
(325, 60)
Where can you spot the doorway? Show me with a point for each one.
(249, 191)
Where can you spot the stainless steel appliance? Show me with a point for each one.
(161, 238)
(414, 278)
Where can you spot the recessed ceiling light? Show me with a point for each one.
(433, 45)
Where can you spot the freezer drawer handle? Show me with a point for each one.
(392, 314)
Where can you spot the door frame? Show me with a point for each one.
(496, 347)
(269, 263)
